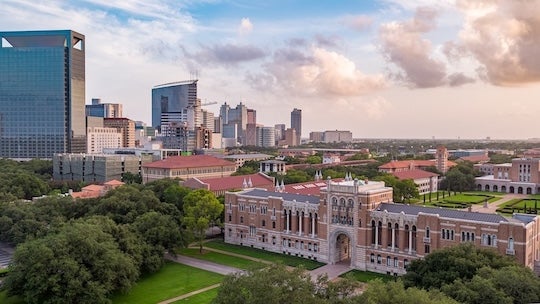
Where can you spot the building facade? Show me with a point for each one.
(355, 222)
(185, 167)
(296, 124)
(125, 126)
(522, 176)
(42, 92)
(336, 136)
(174, 97)
(105, 110)
(96, 168)
(102, 138)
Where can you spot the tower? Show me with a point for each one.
(173, 100)
(42, 94)
(296, 124)
(442, 159)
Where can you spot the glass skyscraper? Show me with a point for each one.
(173, 99)
(42, 93)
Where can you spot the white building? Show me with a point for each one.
(99, 138)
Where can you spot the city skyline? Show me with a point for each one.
(389, 69)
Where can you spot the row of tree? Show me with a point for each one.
(83, 251)
(460, 274)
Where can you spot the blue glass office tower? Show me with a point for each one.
(42, 92)
(172, 98)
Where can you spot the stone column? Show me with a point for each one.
(376, 234)
(288, 221)
(300, 220)
(410, 240)
(313, 225)
(393, 237)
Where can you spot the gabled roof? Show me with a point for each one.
(308, 188)
(414, 174)
(285, 196)
(184, 162)
(114, 182)
(443, 212)
(475, 158)
(237, 182)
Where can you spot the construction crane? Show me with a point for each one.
(209, 103)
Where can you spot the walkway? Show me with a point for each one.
(492, 207)
(332, 271)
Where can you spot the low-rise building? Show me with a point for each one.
(522, 176)
(426, 181)
(220, 185)
(355, 222)
(185, 167)
(96, 167)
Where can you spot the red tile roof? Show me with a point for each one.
(475, 158)
(414, 174)
(193, 161)
(114, 182)
(308, 188)
(236, 182)
(415, 163)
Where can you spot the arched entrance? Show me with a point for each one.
(343, 249)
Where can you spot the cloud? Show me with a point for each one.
(315, 72)
(358, 23)
(245, 27)
(375, 108)
(504, 37)
(328, 41)
(227, 54)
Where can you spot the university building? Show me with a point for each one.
(356, 222)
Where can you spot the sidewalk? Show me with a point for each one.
(492, 207)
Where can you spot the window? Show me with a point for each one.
(396, 262)
(405, 263)
(388, 261)
(315, 247)
(230, 232)
(372, 258)
(427, 232)
(230, 218)
(241, 219)
(263, 223)
(379, 259)
(427, 249)
(274, 225)
(273, 240)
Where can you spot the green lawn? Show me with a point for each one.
(11, 300)
(264, 255)
(220, 258)
(466, 198)
(366, 276)
(518, 205)
(490, 193)
(201, 298)
(171, 281)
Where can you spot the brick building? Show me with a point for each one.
(356, 222)
(522, 176)
(184, 167)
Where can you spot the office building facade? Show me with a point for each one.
(174, 97)
(42, 93)
(105, 110)
(296, 124)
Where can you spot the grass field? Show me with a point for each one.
(220, 258)
(11, 300)
(264, 255)
(171, 281)
(366, 276)
(201, 298)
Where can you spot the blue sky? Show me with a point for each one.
(390, 68)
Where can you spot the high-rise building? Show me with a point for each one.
(296, 123)
(442, 159)
(234, 121)
(290, 137)
(280, 132)
(126, 126)
(176, 97)
(266, 136)
(42, 93)
(105, 110)
(251, 116)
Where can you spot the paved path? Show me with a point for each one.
(492, 207)
(206, 265)
(333, 271)
(189, 294)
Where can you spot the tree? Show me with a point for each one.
(408, 189)
(174, 194)
(131, 178)
(314, 159)
(394, 292)
(201, 210)
(446, 265)
(79, 264)
(276, 284)
(249, 167)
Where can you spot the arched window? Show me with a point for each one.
(389, 234)
(373, 227)
(427, 232)
(379, 233)
(413, 237)
(379, 259)
(263, 223)
(396, 262)
(372, 258)
(388, 261)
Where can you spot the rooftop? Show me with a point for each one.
(443, 212)
(193, 161)
(414, 174)
(237, 182)
(285, 196)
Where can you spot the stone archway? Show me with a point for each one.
(343, 249)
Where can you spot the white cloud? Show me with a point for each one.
(245, 27)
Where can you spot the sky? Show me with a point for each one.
(381, 69)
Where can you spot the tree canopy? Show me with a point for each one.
(201, 210)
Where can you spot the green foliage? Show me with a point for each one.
(296, 176)
(394, 292)
(79, 264)
(276, 284)
(131, 178)
(359, 156)
(174, 194)
(496, 158)
(249, 167)
(404, 190)
(314, 159)
(201, 210)
(446, 265)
